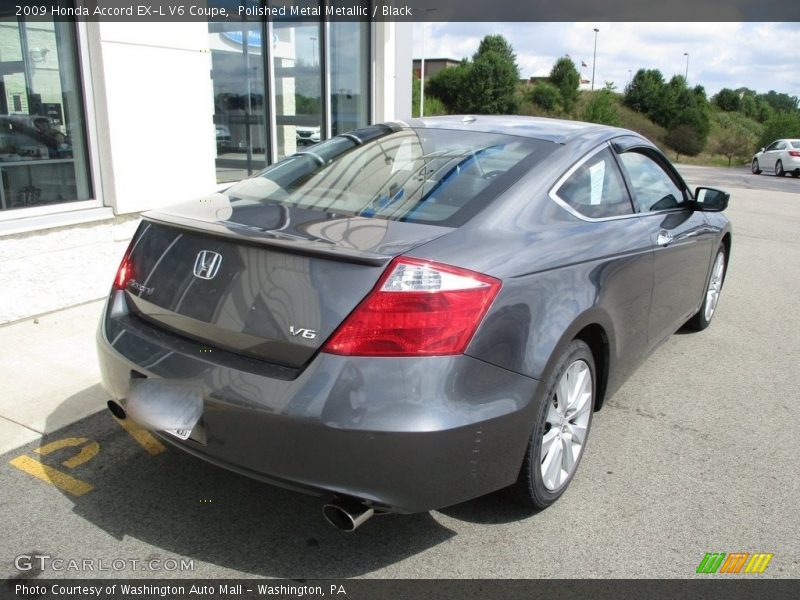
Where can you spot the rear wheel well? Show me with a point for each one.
(595, 337)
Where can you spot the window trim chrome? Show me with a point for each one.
(553, 193)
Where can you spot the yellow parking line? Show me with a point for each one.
(58, 444)
(62, 481)
(144, 438)
(87, 453)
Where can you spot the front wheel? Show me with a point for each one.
(713, 289)
(755, 168)
(560, 431)
(779, 169)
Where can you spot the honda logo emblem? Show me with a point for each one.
(207, 264)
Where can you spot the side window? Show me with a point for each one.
(596, 189)
(653, 189)
(780, 146)
(772, 146)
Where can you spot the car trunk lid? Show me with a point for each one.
(264, 280)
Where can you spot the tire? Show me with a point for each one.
(711, 298)
(754, 167)
(537, 486)
(796, 173)
(779, 169)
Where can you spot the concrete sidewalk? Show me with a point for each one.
(48, 363)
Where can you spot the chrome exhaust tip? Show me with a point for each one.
(347, 514)
(116, 410)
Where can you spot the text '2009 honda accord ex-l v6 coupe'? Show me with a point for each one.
(411, 315)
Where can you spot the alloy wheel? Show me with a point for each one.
(566, 425)
(715, 286)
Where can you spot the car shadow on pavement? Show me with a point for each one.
(493, 509)
(180, 506)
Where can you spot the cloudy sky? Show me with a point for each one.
(761, 56)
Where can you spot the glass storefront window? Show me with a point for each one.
(240, 107)
(43, 154)
(349, 66)
(297, 63)
(262, 117)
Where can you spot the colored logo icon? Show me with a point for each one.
(734, 562)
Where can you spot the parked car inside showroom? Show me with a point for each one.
(411, 315)
(780, 157)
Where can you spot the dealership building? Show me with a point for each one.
(102, 121)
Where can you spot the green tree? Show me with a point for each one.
(780, 102)
(670, 100)
(448, 85)
(566, 78)
(546, 95)
(727, 99)
(735, 139)
(781, 125)
(688, 131)
(644, 92)
(491, 85)
(485, 85)
(602, 108)
(683, 138)
(498, 45)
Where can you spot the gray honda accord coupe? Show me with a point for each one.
(411, 315)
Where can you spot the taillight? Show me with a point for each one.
(124, 274)
(794, 153)
(417, 308)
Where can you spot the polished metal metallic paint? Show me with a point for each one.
(406, 434)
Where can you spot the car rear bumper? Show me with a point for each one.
(791, 164)
(407, 435)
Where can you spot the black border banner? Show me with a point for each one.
(711, 588)
(407, 10)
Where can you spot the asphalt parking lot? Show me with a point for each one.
(697, 453)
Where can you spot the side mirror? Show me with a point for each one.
(710, 199)
(761, 150)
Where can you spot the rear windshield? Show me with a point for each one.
(433, 176)
(795, 144)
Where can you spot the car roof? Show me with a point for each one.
(555, 130)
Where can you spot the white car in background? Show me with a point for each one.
(780, 157)
(307, 135)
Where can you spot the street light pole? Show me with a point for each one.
(686, 74)
(313, 50)
(594, 58)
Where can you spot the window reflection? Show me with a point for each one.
(42, 143)
(349, 66)
(253, 129)
(298, 84)
(237, 69)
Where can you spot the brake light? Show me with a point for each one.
(794, 153)
(124, 274)
(417, 308)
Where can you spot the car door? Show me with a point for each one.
(617, 243)
(680, 236)
(771, 155)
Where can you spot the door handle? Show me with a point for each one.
(664, 238)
